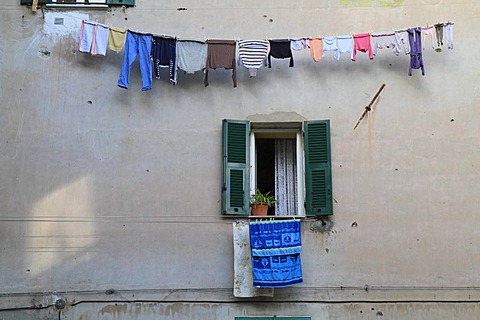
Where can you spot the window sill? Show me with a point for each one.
(276, 217)
(76, 6)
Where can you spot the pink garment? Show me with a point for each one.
(316, 48)
(362, 43)
(428, 32)
(93, 38)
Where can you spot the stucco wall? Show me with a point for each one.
(105, 188)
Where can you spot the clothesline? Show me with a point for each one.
(192, 55)
(204, 39)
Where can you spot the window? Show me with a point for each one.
(276, 165)
(273, 318)
(82, 3)
(79, 1)
(279, 158)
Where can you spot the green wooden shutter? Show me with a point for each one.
(318, 171)
(29, 2)
(127, 3)
(236, 167)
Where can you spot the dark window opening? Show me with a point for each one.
(276, 173)
(266, 168)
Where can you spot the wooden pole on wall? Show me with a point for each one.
(34, 5)
(369, 106)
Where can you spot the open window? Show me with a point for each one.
(274, 318)
(82, 3)
(292, 160)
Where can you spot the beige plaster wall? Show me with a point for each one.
(105, 188)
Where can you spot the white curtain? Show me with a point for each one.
(285, 177)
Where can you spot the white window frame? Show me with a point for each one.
(300, 154)
(98, 4)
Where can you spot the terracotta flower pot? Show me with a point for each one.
(259, 209)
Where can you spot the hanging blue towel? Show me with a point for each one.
(276, 247)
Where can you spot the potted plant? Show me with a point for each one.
(259, 202)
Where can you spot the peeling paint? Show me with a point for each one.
(371, 3)
(44, 53)
(323, 226)
(114, 309)
(72, 22)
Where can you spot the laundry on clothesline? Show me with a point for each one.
(93, 38)
(193, 55)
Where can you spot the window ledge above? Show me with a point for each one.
(76, 6)
(81, 4)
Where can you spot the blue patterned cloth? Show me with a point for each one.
(276, 247)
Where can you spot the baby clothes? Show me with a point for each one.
(439, 34)
(330, 44)
(449, 34)
(427, 32)
(345, 44)
(362, 43)
(101, 40)
(402, 42)
(137, 44)
(280, 49)
(384, 40)
(164, 56)
(86, 36)
(299, 44)
(416, 58)
(316, 48)
(87, 32)
(93, 38)
(116, 39)
(221, 54)
(252, 54)
(191, 55)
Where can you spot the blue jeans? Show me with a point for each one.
(141, 45)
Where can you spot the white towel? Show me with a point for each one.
(242, 265)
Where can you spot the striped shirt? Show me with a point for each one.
(252, 54)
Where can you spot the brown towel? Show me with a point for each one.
(221, 54)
